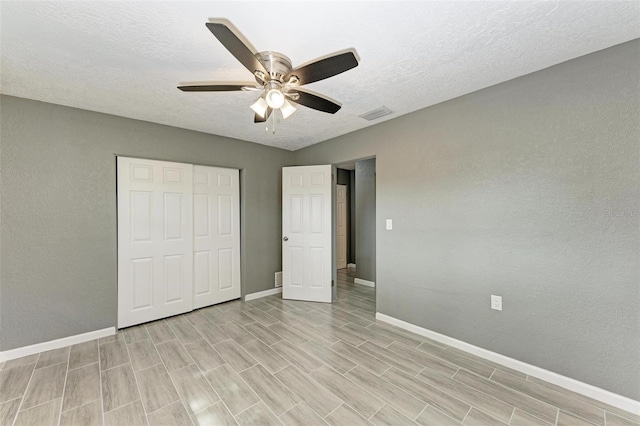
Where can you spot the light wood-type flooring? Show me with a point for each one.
(271, 362)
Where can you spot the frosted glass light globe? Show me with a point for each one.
(275, 98)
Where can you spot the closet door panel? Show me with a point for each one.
(217, 235)
(155, 240)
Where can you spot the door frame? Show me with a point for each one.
(336, 165)
(346, 222)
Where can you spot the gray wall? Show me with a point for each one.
(530, 190)
(58, 212)
(366, 219)
(343, 177)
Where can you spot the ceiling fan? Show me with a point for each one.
(278, 81)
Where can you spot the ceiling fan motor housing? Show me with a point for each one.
(276, 64)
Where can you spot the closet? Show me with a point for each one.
(178, 238)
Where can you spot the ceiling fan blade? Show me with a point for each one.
(258, 119)
(325, 67)
(236, 44)
(213, 86)
(315, 101)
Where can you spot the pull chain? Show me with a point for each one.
(273, 128)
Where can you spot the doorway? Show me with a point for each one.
(314, 198)
(357, 276)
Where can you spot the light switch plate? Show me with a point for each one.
(389, 224)
(496, 302)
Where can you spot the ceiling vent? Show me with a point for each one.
(374, 114)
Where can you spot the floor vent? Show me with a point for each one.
(279, 279)
(374, 114)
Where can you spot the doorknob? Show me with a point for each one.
(285, 239)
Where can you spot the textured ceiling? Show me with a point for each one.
(126, 58)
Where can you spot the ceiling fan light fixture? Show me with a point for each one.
(287, 109)
(275, 76)
(260, 107)
(275, 98)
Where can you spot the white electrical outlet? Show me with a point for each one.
(389, 224)
(496, 302)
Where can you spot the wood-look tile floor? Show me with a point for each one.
(271, 362)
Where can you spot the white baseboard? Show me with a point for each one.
(351, 265)
(55, 344)
(585, 389)
(260, 294)
(364, 282)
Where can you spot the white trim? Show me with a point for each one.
(364, 282)
(55, 344)
(351, 265)
(260, 294)
(585, 389)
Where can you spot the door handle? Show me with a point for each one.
(285, 239)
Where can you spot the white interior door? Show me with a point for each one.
(155, 240)
(341, 207)
(216, 223)
(307, 233)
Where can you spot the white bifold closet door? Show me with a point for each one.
(178, 238)
(216, 223)
(155, 240)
